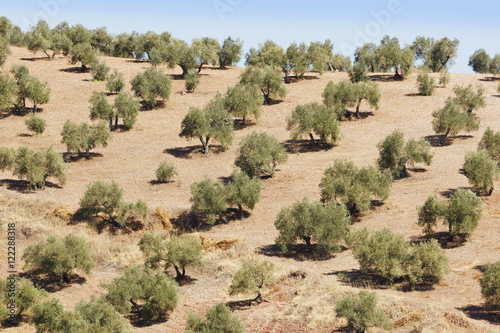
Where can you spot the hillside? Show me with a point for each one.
(133, 156)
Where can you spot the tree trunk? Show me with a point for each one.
(199, 68)
(87, 152)
(244, 121)
(111, 123)
(135, 305)
(47, 54)
(240, 211)
(258, 299)
(34, 107)
(116, 122)
(357, 108)
(206, 146)
(178, 272)
(445, 137)
(307, 240)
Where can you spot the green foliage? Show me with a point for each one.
(47, 316)
(297, 60)
(490, 142)
(151, 85)
(208, 199)
(230, 52)
(495, 65)
(436, 54)
(327, 225)
(4, 50)
(219, 319)
(40, 38)
(8, 88)
(268, 54)
(243, 191)
(452, 119)
(354, 187)
(465, 209)
(206, 51)
(115, 82)
(346, 94)
(314, 118)
(479, 61)
(165, 172)
(214, 122)
(192, 80)
(253, 276)
(430, 213)
(444, 78)
(33, 166)
(361, 312)
(35, 123)
(469, 99)
(59, 259)
(426, 84)
(269, 81)
(83, 53)
(30, 87)
(320, 54)
(490, 286)
(127, 108)
(100, 108)
(21, 293)
(100, 71)
(427, 261)
(179, 53)
(83, 137)
(101, 40)
(244, 101)
(157, 293)
(358, 73)
(395, 154)
(260, 153)
(6, 27)
(481, 170)
(390, 56)
(367, 55)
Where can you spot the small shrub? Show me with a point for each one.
(35, 124)
(490, 142)
(151, 85)
(243, 191)
(481, 170)
(59, 259)
(192, 80)
(444, 78)
(426, 84)
(219, 318)
(209, 199)
(21, 293)
(165, 172)
(100, 71)
(84, 138)
(490, 286)
(452, 119)
(126, 107)
(430, 213)
(361, 312)
(115, 82)
(465, 209)
(244, 101)
(252, 277)
(358, 73)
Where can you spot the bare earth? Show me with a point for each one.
(132, 158)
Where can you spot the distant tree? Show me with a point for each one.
(59, 259)
(260, 153)
(100, 71)
(327, 225)
(367, 55)
(40, 39)
(436, 54)
(24, 295)
(149, 293)
(430, 213)
(490, 142)
(4, 50)
(426, 84)
(8, 89)
(340, 96)
(179, 53)
(127, 108)
(452, 119)
(213, 122)
(390, 56)
(244, 101)
(395, 153)
(479, 61)
(268, 54)
(84, 138)
(101, 109)
(35, 124)
(319, 56)
(362, 312)
(219, 318)
(469, 99)
(369, 92)
(297, 59)
(206, 51)
(253, 276)
(358, 73)
(465, 209)
(192, 80)
(444, 77)
(490, 286)
(83, 53)
(49, 316)
(341, 63)
(230, 52)
(165, 172)
(17, 37)
(79, 34)
(481, 170)
(6, 28)
(101, 40)
(268, 80)
(243, 191)
(495, 65)
(208, 199)
(151, 85)
(347, 184)
(30, 87)
(314, 118)
(115, 82)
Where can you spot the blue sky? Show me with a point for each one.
(348, 23)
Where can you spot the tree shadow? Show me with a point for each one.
(241, 305)
(35, 59)
(157, 182)
(414, 95)
(385, 78)
(23, 186)
(480, 313)
(351, 116)
(298, 252)
(145, 106)
(51, 284)
(238, 124)
(304, 146)
(437, 139)
(417, 170)
(137, 321)
(25, 135)
(13, 111)
(294, 79)
(189, 151)
(443, 238)
(490, 79)
(77, 70)
(75, 157)
(273, 102)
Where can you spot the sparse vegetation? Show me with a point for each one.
(426, 84)
(126, 107)
(35, 124)
(253, 276)
(481, 170)
(83, 138)
(444, 78)
(469, 98)
(192, 80)
(100, 71)
(490, 142)
(244, 101)
(219, 318)
(269, 81)
(151, 86)
(115, 82)
(20, 296)
(165, 172)
(208, 199)
(453, 119)
(243, 191)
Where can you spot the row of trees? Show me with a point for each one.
(481, 62)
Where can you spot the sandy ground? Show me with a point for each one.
(132, 158)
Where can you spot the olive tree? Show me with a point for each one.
(479, 61)
(367, 55)
(354, 187)
(18, 295)
(83, 138)
(219, 318)
(490, 286)
(35, 124)
(327, 225)
(426, 84)
(464, 211)
(84, 54)
(244, 101)
(127, 108)
(165, 172)
(490, 142)
(213, 122)
(436, 54)
(59, 259)
(314, 118)
(8, 89)
(4, 50)
(268, 54)
(395, 153)
(269, 81)
(430, 213)
(40, 38)
(192, 80)
(99, 71)
(297, 59)
(100, 108)
(444, 77)
(230, 52)
(320, 56)
(31, 88)
(260, 154)
(208, 199)
(469, 98)
(481, 170)
(179, 53)
(452, 119)
(243, 191)
(390, 56)
(206, 51)
(152, 85)
(115, 82)
(253, 276)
